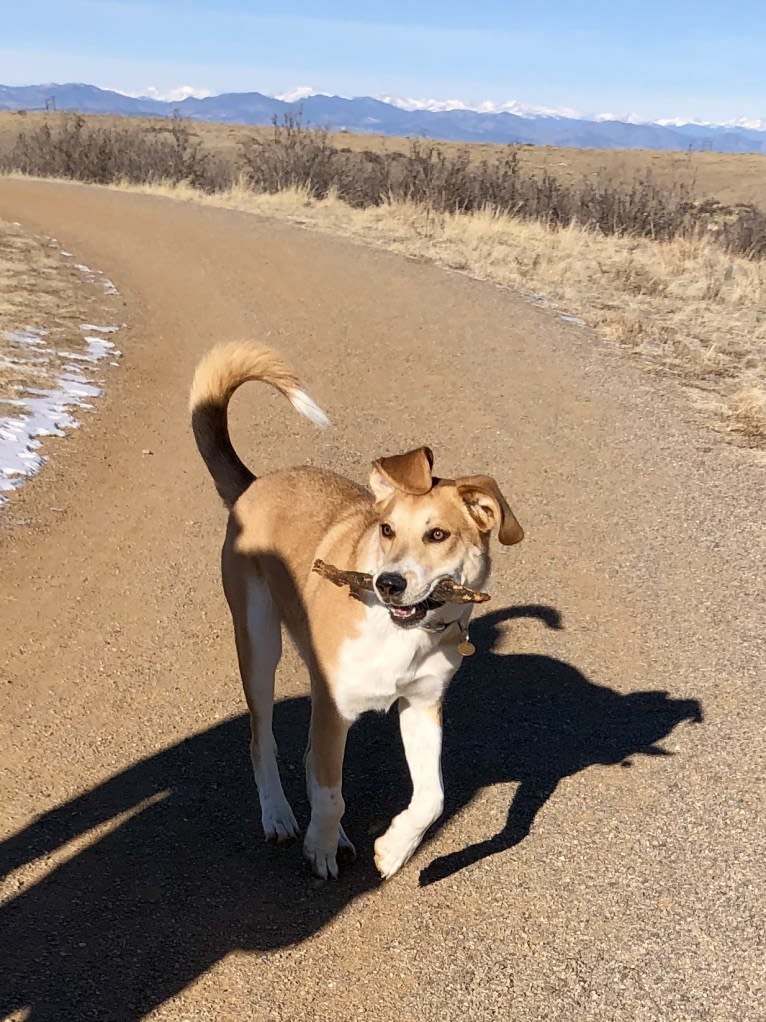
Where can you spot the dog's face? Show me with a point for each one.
(429, 529)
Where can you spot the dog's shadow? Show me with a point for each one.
(177, 876)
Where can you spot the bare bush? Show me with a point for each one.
(292, 157)
(441, 181)
(99, 154)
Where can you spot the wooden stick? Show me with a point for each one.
(446, 590)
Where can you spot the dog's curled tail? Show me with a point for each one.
(221, 371)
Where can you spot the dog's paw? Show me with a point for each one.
(323, 861)
(279, 823)
(395, 847)
(324, 858)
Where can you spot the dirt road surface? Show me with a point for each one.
(601, 855)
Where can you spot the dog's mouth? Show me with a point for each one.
(408, 617)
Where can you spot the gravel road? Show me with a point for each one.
(601, 857)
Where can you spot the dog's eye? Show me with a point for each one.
(386, 530)
(436, 535)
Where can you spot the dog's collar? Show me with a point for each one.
(464, 647)
(442, 626)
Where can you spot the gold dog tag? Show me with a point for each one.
(465, 647)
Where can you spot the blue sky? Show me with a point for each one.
(654, 59)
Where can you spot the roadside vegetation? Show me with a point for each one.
(38, 291)
(677, 281)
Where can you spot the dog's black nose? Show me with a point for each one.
(389, 584)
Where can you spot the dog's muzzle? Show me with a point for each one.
(390, 587)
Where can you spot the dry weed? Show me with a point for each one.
(745, 415)
(39, 289)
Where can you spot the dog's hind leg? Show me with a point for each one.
(258, 634)
(326, 840)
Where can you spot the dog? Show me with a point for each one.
(395, 644)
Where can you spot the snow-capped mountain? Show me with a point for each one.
(514, 106)
(450, 120)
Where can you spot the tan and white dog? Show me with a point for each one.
(395, 644)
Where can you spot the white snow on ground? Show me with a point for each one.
(93, 276)
(48, 411)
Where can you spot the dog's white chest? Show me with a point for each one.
(383, 662)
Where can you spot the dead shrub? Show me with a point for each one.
(292, 157)
(99, 154)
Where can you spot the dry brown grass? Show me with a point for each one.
(728, 177)
(39, 289)
(33, 293)
(684, 306)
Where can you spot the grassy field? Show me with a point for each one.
(728, 177)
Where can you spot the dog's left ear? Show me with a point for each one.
(410, 473)
(489, 508)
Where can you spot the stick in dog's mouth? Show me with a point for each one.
(445, 590)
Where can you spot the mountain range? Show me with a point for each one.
(367, 115)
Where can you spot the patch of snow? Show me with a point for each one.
(529, 111)
(47, 411)
(485, 106)
(301, 92)
(749, 123)
(30, 337)
(173, 95)
(621, 118)
(99, 329)
(109, 286)
(99, 347)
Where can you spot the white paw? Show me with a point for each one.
(396, 847)
(279, 823)
(323, 861)
(323, 858)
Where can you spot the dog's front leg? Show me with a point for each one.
(421, 729)
(324, 770)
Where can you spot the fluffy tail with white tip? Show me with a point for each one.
(221, 371)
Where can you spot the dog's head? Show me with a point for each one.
(429, 528)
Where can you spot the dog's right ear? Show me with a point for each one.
(408, 473)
